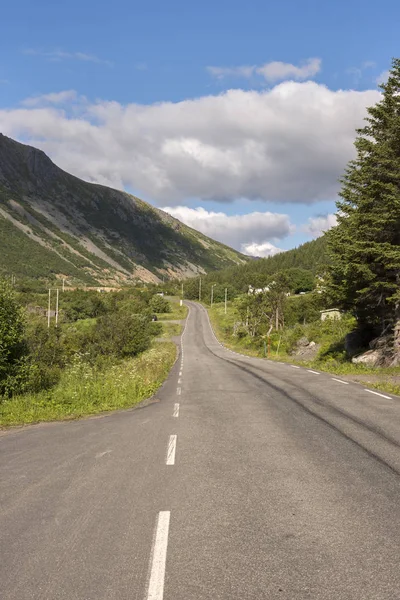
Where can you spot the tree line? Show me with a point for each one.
(356, 265)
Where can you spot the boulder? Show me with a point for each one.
(371, 358)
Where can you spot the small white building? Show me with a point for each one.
(263, 290)
(257, 290)
(330, 313)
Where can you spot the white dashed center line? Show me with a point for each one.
(171, 450)
(179, 391)
(159, 557)
(176, 410)
(179, 380)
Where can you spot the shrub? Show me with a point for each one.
(13, 349)
(120, 335)
(159, 304)
(82, 305)
(49, 353)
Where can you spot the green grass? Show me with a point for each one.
(85, 390)
(171, 329)
(80, 326)
(223, 325)
(328, 336)
(178, 312)
(386, 386)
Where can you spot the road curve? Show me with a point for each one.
(243, 479)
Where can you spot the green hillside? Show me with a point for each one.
(311, 256)
(53, 224)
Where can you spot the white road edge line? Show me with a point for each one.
(176, 410)
(378, 394)
(179, 391)
(171, 450)
(340, 381)
(159, 557)
(315, 372)
(295, 367)
(180, 373)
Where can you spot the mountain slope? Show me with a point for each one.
(53, 224)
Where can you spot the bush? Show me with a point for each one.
(120, 335)
(14, 368)
(159, 304)
(155, 328)
(49, 353)
(82, 305)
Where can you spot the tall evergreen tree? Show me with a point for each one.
(365, 246)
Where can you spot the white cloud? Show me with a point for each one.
(316, 226)
(53, 98)
(249, 233)
(368, 64)
(358, 72)
(222, 72)
(289, 143)
(57, 55)
(261, 250)
(382, 77)
(278, 71)
(272, 71)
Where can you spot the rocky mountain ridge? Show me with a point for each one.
(53, 224)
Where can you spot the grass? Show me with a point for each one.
(178, 312)
(381, 378)
(82, 325)
(85, 390)
(223, 325)
(171, 330)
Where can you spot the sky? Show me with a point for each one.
(236, 117)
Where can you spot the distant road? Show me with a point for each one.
(242, 480)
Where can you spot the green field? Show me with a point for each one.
(85, 390)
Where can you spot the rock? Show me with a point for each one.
(307, 352)
(303, 342)
(372, 358)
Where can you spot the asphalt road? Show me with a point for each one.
(242, 480)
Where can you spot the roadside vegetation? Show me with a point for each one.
(107, 352)
(275, 305)
(329, 353)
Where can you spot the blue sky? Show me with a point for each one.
(153, 97)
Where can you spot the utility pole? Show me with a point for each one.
(182, 291)
(200, 289)
(48, 310)
(212, 293)
(226, 297)
(63, 288)
(57, 308)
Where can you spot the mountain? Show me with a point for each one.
(53, 224)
